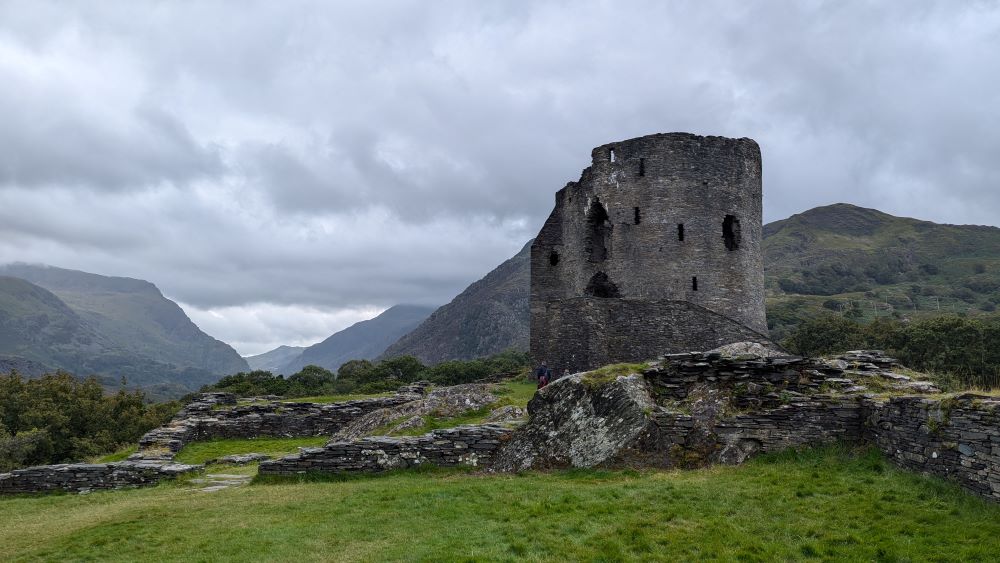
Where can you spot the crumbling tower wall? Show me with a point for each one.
(656, 249)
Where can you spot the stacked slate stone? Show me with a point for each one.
(87, 477)
(472, 446)
(957, 437)
(205, 421)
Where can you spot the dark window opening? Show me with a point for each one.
(612, 155)
(554, 258)
(638, 219)
(731, 232)
(680, 232)
(598, 231)
(642, 166)
(601, 286)
(694, 283)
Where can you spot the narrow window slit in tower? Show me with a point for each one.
(554, 258)
(731, 232)
(680, 232)
(694, 283)
(638, 219)
(598, 232)
(612, 155)
(642, 166)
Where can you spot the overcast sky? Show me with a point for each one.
(284, 169)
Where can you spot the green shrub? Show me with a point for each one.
(58, 418)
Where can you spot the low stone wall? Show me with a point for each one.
(86, 477)
(275, 419)
(472, 446)
(685, 441)
(957, 438)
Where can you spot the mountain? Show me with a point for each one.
(867, 263)
(361, 341)
(857, 261)
(490, 316)
(108, 326)
(275, 360)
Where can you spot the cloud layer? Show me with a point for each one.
(284, 170)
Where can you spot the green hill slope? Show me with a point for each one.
(866, 263)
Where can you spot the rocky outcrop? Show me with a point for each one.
(695, 409)
(580, 422)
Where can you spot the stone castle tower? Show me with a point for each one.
(656, 249)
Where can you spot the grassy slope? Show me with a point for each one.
(822, 503)
(881, 265)
(200, 452)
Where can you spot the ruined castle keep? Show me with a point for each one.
(655, 249)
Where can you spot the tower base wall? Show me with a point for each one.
(585, 333)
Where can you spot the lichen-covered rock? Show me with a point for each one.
(580, 422)
(506, 413)
(442, 401)
(747, 349)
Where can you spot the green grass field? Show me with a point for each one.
(200, 452)
(823, 504)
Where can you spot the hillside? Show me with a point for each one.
(866, 263)
(838, 257)
(275, 360)
(365, 340)
(490, 316)
(108, 326)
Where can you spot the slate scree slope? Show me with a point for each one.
(656, 249)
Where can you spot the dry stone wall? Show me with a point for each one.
(203, 420)
(471, 446)
(87, 477)
(957, 438)
(210, 415)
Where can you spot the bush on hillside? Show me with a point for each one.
(964, 351)
(58, 418)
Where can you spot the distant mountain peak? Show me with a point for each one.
(364, 340)
(488, 317)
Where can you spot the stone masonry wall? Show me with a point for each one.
(957, 438)
(472, 446)
(588, 331)
(87, 477)
(204, 421)
(666, 217)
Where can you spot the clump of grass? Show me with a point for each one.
(118, 455)
(607, 374)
